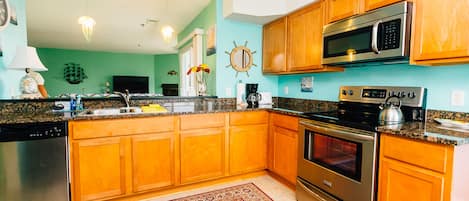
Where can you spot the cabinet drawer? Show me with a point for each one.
(285, 121)
(202, 121)
(245, 118)
(118, 127)
(426, 155)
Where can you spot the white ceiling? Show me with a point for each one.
(54, 23)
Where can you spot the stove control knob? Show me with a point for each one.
(411, 95)
(350, 92)
(344, 92)
(402, 95)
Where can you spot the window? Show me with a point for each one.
(190, 55)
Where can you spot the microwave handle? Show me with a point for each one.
(374, 37)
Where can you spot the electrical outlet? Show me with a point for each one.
(457, 98)
(285, 90)
(228, 92)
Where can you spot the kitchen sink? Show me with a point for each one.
(111, 111)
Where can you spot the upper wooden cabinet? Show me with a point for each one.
(293, 44)
(274, 46)
(305, 38)
(341, 9)
(440, 32)
(373, 4)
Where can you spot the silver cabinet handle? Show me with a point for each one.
(374, 37)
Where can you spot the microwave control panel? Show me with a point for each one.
(390, 32)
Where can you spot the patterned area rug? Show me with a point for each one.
(243, 192)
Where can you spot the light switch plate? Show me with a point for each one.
(228, 92)
(285, 90)
(457, 98)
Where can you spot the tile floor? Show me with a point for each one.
(276, 190)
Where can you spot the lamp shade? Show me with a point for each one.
(26, 57)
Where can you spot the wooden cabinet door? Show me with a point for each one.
(440, 30)
(152, 161)
(274, 46)
(248, 148)
(373, 4)
(285, 153)
(304, 49)
(340, 9)
(202, 154)
(400, 181)
(98, 168)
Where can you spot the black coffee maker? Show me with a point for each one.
(252, 97)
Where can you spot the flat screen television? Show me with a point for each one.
(135, 84)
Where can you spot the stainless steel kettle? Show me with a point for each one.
(391, 114)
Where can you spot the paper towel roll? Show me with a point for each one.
(240, 93)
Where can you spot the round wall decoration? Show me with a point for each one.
(4, 14)
(241, 59)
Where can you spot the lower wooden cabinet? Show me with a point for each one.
(283, 146)
(202, 154)
(152, 161)
(285, 155)
(400, 181)
(248, 148)
(422, 171)
(98, 168)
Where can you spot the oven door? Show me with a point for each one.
(338, 160)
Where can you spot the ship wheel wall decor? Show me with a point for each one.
(241, 59)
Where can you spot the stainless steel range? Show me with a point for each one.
(338, 149)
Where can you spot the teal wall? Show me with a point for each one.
(98, 66)
(440, 81)
(205, 20)
(163, 64)
(11, 37)
(227, 32)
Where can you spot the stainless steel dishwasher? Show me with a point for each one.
(34, 162)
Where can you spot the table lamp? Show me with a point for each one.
(32, 84)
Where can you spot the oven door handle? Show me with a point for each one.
(316, 193)
(339, 133)
(374, 37)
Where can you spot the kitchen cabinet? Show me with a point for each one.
(115, 158)
(283, 140)
(421, 171)
(202, 154)
(341, 9)
(248, 141)
(439, 34)
(98, 168)
(202, 147)
(373, 4)
(400, 181)
(293, 44)
(305, 38)
(248, 148)
(152, 161)
(274, 46)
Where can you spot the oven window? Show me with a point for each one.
(352, 42)
(339, 155)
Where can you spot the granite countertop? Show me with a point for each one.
(49, 116)
(430, 132)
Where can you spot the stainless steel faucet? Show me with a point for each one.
(126, 96)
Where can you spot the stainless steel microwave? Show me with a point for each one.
(379, 35)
